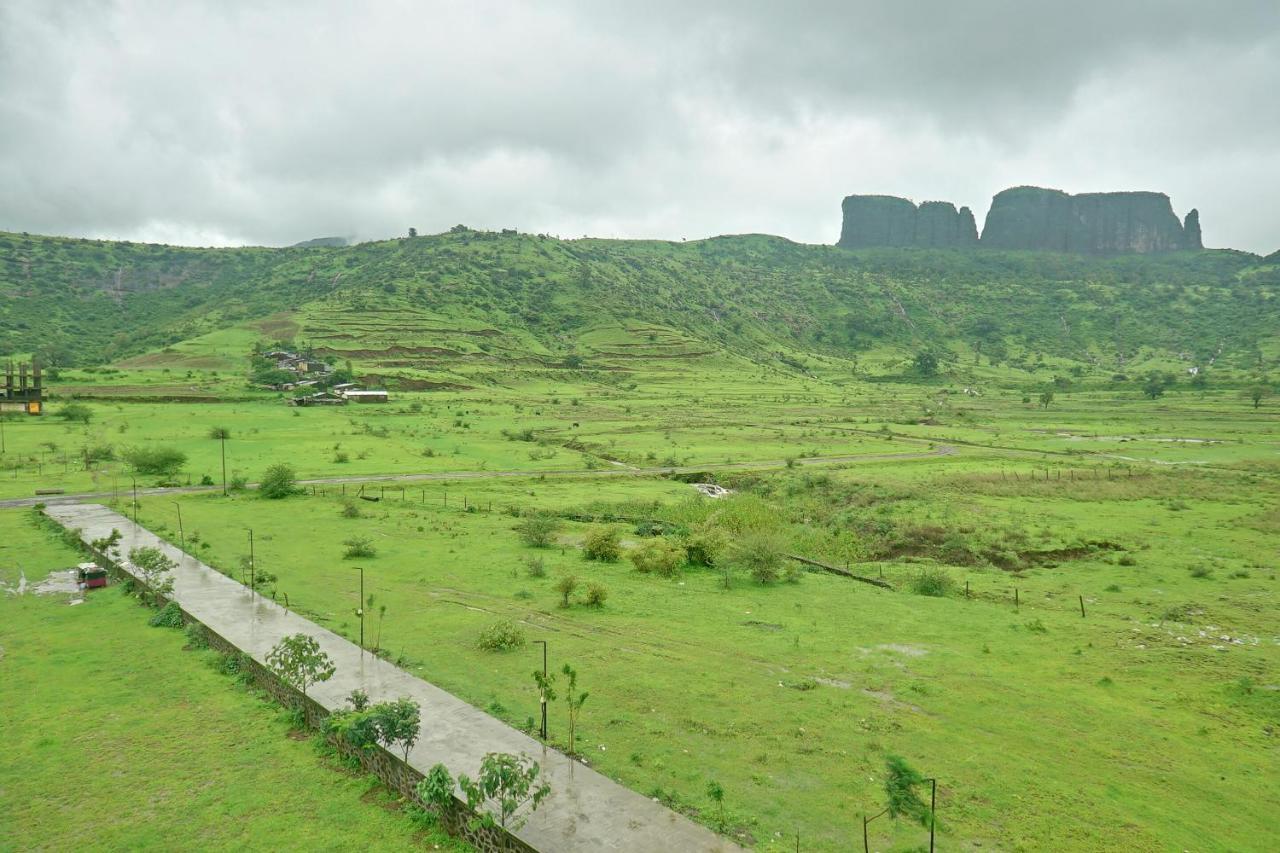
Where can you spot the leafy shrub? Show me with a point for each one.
(169, 616)
(279, 481)
(197, 637)
(350, 509)
(358, 546)
(1036, 626)
(501, 636)
(596, 595)
(703, 546)
(760, 554)
(536, 567)
(1201, 572)
(238, 483)
(932, 582)
(899, 786)
(657, 556)
(602, 544)
(341, 457)
(76, 413)
(1127, 560)
(538, 530)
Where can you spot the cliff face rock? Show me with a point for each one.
(1051, 220)
(885, 220)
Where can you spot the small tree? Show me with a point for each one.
(575, 701)
(218, 433)
(565, 586)
(155, 566)
(538, 530)
(436, 788)
(925, 362)
(1046, 398)
(155, 461)
(1156, 384)
(603, 544)
(279, 481)
(506, 786)
(299, 661)
(398, 722)
(716, 792)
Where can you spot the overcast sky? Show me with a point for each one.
(268, 123)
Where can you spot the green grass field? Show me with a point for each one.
(116, 738)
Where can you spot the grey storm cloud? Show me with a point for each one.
(237, 122)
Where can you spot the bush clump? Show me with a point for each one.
(169, 616)
(595, 595)
(602, 544)
(538, 530)
(932, 582)
(658, 557)
(279, 481)
(501, 636)
(358, 546)
(760, 554)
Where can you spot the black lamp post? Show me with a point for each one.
(182, 536)
(542, 689)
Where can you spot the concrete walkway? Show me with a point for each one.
(585, 811)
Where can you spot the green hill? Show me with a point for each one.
(445, 308)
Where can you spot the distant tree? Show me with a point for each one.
(413, 232)
(279, 481)
(1258, 393)
(298, 660)
(565, 586)
(1046, 397)
(926, 363)
(1200, 380)
(1156, 383)
(657, 556)
(219, 433)
(760, 554)
(76, 413)
(156, 461)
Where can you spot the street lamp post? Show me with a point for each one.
(135, 498)
(360, 607)
(223, 436)
(542, 688)
(182, 537)
(253, 586)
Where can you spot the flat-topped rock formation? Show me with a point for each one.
(1025, 218)
(885, 220)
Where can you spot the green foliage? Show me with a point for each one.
(603, 544)
(503, 635)
(657, 556)
(899, 786)
(75, 413)
(155, 567)
(1156, 383)
(538, 530)
(300, 662)
(925, 363)
(932, 582)
(279, 481)
(219, 433)
(565, 586)
(436, 788)
(169, 616)
(197, 636)
(357, 547)
(760, 554)
(595, 595)
(574, 700)
(506, 791)
(155, 461)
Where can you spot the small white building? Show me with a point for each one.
(359, 396)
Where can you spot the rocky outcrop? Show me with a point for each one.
(885, 220)
(1095, 223)
(1191, 231)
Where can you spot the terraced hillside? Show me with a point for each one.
(467, 307)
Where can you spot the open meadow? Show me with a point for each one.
(993, 522)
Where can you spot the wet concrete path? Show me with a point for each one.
(586, 811)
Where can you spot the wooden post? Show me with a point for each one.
(1082, 607)
(1016, 603)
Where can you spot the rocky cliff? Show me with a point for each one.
(1094, 223)
(885, 220)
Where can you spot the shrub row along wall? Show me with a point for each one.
(390, 769)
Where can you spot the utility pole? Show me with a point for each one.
(223, 435)
(542, 690)
(253, 587)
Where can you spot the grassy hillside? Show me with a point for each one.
(466, 299)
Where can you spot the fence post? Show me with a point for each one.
(1082, 607)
